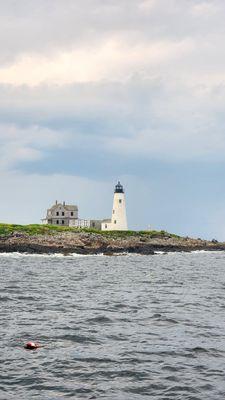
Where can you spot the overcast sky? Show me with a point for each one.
(94, 91)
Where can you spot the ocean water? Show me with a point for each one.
(121, 327)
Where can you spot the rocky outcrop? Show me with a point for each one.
(93, 243)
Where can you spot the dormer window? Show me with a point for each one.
(57, 213)
(71, 213)
(63, 213)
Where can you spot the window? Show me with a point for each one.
(71, 213)
(63, 213)
(120, 201)
(57, 213)
(115, 222)
(62, 221)
(57, 222)
(93, 224)
(113, 211)
(105, 226)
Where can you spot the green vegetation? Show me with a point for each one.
(34, 229)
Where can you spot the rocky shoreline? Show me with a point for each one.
(96, 243)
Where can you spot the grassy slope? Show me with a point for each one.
(6, 229)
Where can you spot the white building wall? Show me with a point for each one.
(119, 217)
(80, 223)
(105, 225)
(118, 221)
(85, 223)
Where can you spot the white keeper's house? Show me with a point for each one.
(63, 214)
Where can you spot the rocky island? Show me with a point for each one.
(43, 239)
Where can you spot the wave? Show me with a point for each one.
(61, 255)
(53, 255)
(207, 251)
(124, 254)
(189, 252)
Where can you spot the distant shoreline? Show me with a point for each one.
(39, 239)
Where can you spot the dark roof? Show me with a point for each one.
(119, 188)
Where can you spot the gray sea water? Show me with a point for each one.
(123, 327)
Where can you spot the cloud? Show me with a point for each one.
(92, 91)
(112, 44)
(206, 9)
(172, 146)
(25, 144)
(111, 61)
(155, 119)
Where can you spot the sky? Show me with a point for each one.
(96, 91)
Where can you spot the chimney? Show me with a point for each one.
(56, 202)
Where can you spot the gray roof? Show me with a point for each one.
(68, 207)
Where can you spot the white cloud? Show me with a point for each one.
(114, 60)
(141, 82)
(205, 9)
(26, 144)
(147, 5)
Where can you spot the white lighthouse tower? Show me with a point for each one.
(118, 222)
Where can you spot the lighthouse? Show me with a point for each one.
(118, 222)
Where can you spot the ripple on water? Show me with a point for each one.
(118, 328)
